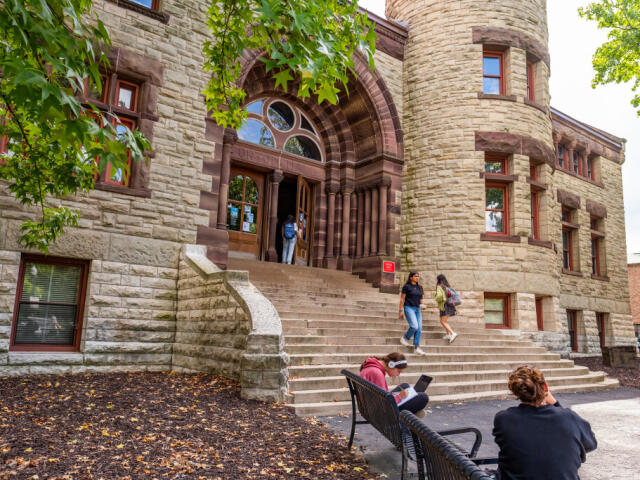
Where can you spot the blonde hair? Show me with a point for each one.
(527, 383)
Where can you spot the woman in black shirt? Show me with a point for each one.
(539, 439)
(410, 305)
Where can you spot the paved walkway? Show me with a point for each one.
(614, 416)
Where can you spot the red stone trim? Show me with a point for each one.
(597, 234)
(498, 177)
(502, 142)
(568, 199)
(392, 37)
(581, 177)
(572, 272)
(537, 105)
(132, 191)
(570, 225)
(510, 38)
(540, 243)
(596, 209)
(537, 185)
(600, 277)
(136, 7)
(493, 96)
(487, 237)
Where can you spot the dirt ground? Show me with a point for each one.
(159, 425)
(628, 377)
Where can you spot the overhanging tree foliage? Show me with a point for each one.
(55, 147)
(618, 59)
(312, 41)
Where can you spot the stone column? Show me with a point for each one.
(344, 262)
(275, 178)
(353, 225)
(570, 149)
(382, 226)
(367, 223)
(374, 220)
(360, 226)
(230, 137)
(332, 189)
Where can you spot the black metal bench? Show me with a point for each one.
(439, 458)
(379, 408)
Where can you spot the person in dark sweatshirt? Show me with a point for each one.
(539, 439)
(374, 370)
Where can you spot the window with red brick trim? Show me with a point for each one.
(597, 245)
(530, 82)
(572, 324)
(569, 232)
(533, 172)
(493, 73)
(590, 175)
(49, 303)
(562, 156)
(497, 310)
(535, 215)
(497, 208)
(495, 163)
(539, 314)
(120, 98)
(600, 322)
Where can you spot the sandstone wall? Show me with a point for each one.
(443, 198)
(225, 326)
(391, 70)
(634, 289)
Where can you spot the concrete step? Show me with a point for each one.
(428, 338)
(338, 381)
(321, 358)
(419, 367)
(381, 350)
(344, 407)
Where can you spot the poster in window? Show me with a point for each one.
(249, 217)
(246, 227)
(234, 215)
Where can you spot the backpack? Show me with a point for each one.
(289, 230)
(453, 298)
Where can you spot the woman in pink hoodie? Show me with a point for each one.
(374, 370)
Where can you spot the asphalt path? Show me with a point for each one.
(614, 416)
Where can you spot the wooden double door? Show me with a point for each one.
(249, 215)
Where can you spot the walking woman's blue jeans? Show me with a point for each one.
(414, 317)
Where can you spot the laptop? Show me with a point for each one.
(422, 383)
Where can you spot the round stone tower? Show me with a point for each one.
(479, 145)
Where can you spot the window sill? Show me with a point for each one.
(536, 185)
(572, 272)
(494, 326)
(134, 192)
(498, 177)
(493, 96)
(597, 234)
(136, 7)
(536, 105)
(488, 237)
(602, 278)
(570, 225)
(540, 243)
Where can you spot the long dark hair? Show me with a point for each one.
(411, 274)
(290, 219)
(391, 357)
(442, 280)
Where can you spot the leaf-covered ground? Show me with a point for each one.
(628, 376)
(159, 425)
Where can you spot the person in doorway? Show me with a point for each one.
(410, 305)
(539, 439)
(289, 237)
(374, 370)
(445, 308)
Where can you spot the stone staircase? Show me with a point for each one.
(334, 320)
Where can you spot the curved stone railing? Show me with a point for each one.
(226, 326)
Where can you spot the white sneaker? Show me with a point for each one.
(419, 351)
(446, 337)
(404, 341)
(453, 337)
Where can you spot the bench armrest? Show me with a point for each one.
(476, 443)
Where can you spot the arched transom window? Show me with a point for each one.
(276, 124)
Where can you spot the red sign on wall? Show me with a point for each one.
(389, 267)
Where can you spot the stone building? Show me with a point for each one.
(445, 158)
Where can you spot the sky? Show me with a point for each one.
(572, 42)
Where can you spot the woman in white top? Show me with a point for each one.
(289, 237)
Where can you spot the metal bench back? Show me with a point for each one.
(376, 406)
(437, 457)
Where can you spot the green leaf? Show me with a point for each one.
(282, 78)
